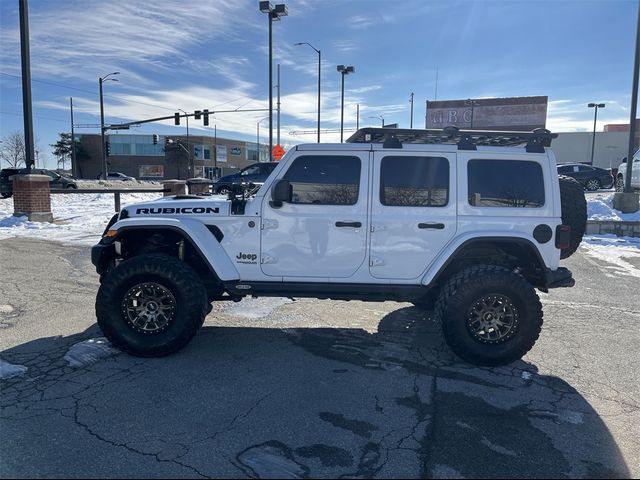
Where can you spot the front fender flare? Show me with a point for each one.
(195, 232)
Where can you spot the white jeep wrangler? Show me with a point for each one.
(461, 222)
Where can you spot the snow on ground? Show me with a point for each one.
(600, 207)
(78, 218)
(622, 252)
(118, 184)
(90, 351)
(255, 307)
(8, 370)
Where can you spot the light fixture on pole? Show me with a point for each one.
(380, 117)
(319, 75)
(344, 71)
(274, 13)
(595, 117)
(473, 103)
(101, 80)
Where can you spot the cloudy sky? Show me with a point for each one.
(195, 54)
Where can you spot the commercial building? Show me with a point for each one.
(170, 157)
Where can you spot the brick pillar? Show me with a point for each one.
(176, 187)
(31, 197)
(199, 186)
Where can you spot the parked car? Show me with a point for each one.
(117, 176)
(635, 173)
(56, 180)
(591, 178)
(255, 173)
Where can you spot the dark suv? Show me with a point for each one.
(56, 180)
(255, 173)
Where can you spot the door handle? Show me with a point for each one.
(349, 224)
(436, 226)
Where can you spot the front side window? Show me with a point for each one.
(252, 170)
(325, 179)
(505, 183)
(414, 181)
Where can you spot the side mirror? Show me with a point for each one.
(281, 192)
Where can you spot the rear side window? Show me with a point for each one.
(325, 179)
(414, 181)
(565, 169)
(505, 183)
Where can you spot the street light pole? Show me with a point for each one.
(473, 103)
(274, 14)
(411, 100)
(319, 76)
(74, 167)
(27, 111)
(595, 118)
(343, 71)
(188, 145)
(380, 117)
(101, 80)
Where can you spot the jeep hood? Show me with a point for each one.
(181, 206)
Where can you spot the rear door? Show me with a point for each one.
(413, 212)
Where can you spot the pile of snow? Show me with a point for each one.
(90, 351)
(8, 370)
(78, 218)
(623, 253)
(600, 207)
(118, 184)
(255, 308)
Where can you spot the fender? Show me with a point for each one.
(448, 253)
(196, 231)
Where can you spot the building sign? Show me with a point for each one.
(235, 151)
(221, 155)
(512, 113)
(151, 171)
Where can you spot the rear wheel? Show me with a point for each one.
(151, 305)
(490, 315)
(619, 183)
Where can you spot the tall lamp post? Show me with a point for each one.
(101, 80)
(473, 103)
(344, 71)
(188, 144)
(258, 138)
(319, 75)
(595, 117)
(379, 117)
(274, 14)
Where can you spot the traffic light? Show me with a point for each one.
(108, 149)
(176, 118)
(197, 114)
(155, 138)
(205, 115)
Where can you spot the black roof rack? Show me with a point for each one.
(535, 141)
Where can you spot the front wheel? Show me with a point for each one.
(620, 183)
(490, 315)
(593, 185)
(151, 305)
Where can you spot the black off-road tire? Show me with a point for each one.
(462, 292)
(574, 212)
(176, 277)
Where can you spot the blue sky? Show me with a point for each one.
(194, 54)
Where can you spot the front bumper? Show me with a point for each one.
(102, 256)
(562, 277)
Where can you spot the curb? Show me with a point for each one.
(618, 228)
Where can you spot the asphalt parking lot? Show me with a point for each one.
(308, 388)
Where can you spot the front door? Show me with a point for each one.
(413, 212)
(322, 231)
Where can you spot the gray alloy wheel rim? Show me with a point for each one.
(149, 308)
(492, 319)
(593, 184)
(619, 184)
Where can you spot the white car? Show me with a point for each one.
(635, 174)
(446, 220)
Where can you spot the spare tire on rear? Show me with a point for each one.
(574, 212)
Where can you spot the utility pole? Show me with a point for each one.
(411, 100)
(278, 106)
(26, 84)
(357, 116)
(215, 149)
(74, 167)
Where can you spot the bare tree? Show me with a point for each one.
(12, 150)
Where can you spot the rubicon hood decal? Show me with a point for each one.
(176, 210)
